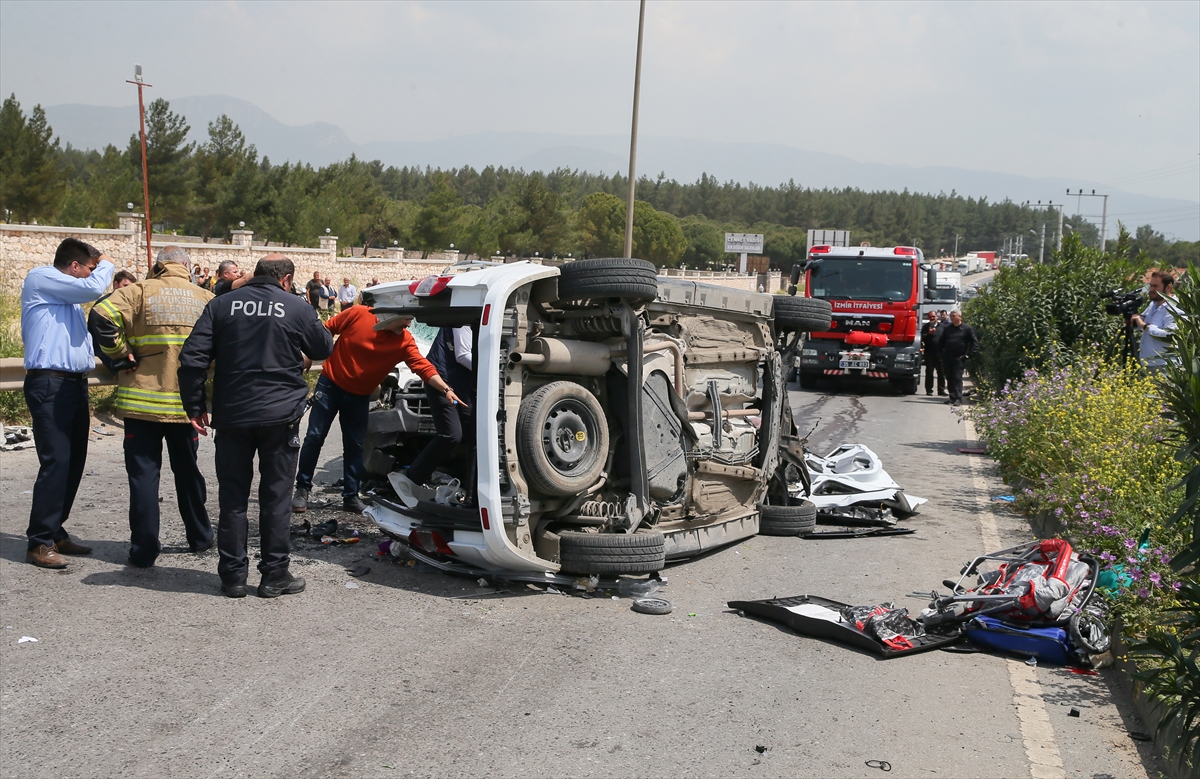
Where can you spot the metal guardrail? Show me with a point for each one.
(12, 374)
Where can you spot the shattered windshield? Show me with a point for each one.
(860, 278)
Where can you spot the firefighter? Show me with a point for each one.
(143, 326)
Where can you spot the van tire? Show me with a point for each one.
(640, 552)
(787, 520)
(550, 421)
(624, 278)
(804, 314)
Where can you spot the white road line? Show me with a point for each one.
(1037, 733)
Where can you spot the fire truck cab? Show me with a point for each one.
(876, 294)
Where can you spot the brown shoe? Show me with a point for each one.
(45, 557)
(68, 546)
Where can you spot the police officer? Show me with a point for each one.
(258, 336)
(956, 342)
(933, 360)
(144, 325)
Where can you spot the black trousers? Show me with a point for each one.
(932, 367)
(143, 464)
(953, 369)
(59, 408)
(277, 447)
(453, 425)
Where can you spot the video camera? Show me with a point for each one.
(1123, 303)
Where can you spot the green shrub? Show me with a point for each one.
(1034, 316)
(1087, 442)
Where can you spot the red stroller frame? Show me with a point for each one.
(1037, 584)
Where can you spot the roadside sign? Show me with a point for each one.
(744, 243)
(828, 238)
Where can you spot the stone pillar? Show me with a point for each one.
(127, 220)
(391, 253)
(329, 244)
(452, 256)
(241, 237)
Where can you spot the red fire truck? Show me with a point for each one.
(876, 295)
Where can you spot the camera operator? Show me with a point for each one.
(1157, 321)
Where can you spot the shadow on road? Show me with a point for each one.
(159, 579)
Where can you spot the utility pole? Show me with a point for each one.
(137, 79)
(956, 237)
(1042, 246)
(637, 93)
(1103, 216)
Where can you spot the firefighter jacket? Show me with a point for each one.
(151, 320)
(257, 337)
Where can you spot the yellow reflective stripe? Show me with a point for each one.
(120, 346)
(162, 339)
(146, 394)
(161, 411)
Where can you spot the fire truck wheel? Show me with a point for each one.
(640, 552)
(787, 520)
(808, 380)
(804, 314)
(908, 386)
(562, 438)
(624, 278)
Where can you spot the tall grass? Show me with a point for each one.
(12, 404)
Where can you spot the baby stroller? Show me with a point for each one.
(1033, 599)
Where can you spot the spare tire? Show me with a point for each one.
(562, 438)
(804, 314)
(618, 277)
(787, 520)
(640, 552)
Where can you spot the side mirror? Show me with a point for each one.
(930, 283)
(797, 269)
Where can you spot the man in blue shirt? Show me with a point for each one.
(58, 358)
(1157, 321)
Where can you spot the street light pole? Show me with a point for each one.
(137, 79)
(637, 93)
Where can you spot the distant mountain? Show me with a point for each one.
(682, 159)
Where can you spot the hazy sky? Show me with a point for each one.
(1106, 92)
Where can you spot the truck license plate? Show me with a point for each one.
(854, 364)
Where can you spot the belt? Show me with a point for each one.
(58, 374)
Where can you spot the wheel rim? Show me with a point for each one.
(568, 437)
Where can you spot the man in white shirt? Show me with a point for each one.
(347, 294)
(1157, 321)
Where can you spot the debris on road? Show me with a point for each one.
(882, 765)
(1004, 498)
(656, 606)
(1073, 713)
(351, 585)
(852, 474)
(15, 438)
(27, 640)
(861, 533)
(1034, 604)
(359, 570)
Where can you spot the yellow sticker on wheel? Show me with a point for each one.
(580, 436)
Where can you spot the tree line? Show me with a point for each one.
(209, 188)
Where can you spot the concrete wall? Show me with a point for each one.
(23, 247)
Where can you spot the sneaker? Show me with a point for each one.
(233, 589)
(352, 505)
(300, 500)
(280, 584)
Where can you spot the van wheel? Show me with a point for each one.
(804, 314)
(608, 278)
(787, 520)
(562, 438)
(640, 552)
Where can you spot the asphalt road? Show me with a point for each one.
(152, 673)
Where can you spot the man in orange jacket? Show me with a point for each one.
(362, 357)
